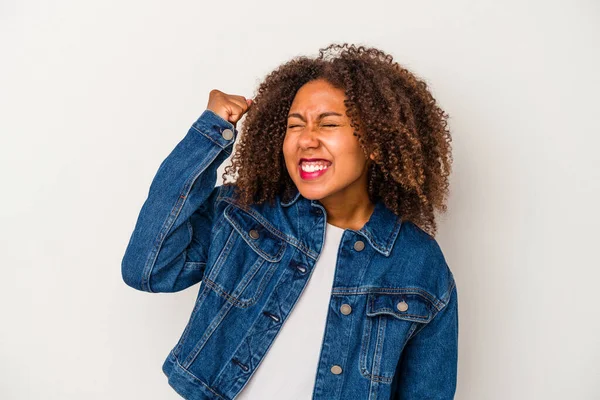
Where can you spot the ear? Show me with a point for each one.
(370, 160)
(374, 154)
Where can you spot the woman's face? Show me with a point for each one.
(321, 153)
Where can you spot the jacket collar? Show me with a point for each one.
(380, 231)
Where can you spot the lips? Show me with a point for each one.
(312, 168)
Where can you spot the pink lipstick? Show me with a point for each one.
(312, 168)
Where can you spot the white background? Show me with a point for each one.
(95, 94)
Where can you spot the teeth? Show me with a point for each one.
(313, 166)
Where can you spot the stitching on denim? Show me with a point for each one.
(396, 314)
(448, 294)
(367, 331)
(420, 318)
(170, 220)
(221, 146)
(394, 234)
(368, 328)
(190, 229)
(201, 296)
(266, 278)
(376, 378)
(373, 243)
(249, 276)
(393, 290)
(235, 300)
(411, 333)
(218, 264)
(381, 326)
(198, 379)
(207, 334)
(365, 343)
(256, 248)
(386, 250)
(452, 285)
(418, 329)
(231, 299)
(194, 265)
(289, 239)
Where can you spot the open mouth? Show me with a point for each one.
(313, 166)
(311, 169)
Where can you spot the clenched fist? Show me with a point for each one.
(230, 107)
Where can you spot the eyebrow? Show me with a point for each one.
(321, 116)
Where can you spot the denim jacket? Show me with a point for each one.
(392, 322)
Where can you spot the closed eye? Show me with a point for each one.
(328, 125)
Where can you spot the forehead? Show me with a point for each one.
(318, 96)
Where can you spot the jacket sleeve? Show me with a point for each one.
(168, 248)
(428, 366)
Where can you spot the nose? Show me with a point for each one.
(308, 138)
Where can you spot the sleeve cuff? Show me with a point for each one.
(215, 128)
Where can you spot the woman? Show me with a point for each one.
(320, 274)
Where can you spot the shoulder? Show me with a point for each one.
(229, 194)
(423, 260)
(225, 191)
(265, 213)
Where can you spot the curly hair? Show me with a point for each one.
(393, 114)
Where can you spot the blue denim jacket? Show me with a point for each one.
(399, 340)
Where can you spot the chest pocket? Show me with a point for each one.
(247, 261)
(389, 321)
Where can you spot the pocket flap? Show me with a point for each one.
(410, 307)
(259, 238)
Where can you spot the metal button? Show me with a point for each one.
(227, 134)
(301, 268)
(336, 369)
(346, 309)
(253, 234)
(402, 306)
(359, 245)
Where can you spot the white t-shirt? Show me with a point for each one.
(289, 368)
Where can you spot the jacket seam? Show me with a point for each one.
(198, 379)
(222, 147)
(447, 296)
(400, 290)
(170, 220)
(292, 241)
(277, 257)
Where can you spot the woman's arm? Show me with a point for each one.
(168, 247)
(428, 368)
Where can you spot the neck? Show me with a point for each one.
(348, 214)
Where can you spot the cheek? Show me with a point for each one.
(347, 152)
(351, 163)
(287, 151)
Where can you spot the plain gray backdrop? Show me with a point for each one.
(95, 94)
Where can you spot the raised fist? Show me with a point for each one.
(230, 107)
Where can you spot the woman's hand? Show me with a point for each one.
(228, 106)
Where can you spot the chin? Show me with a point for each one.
(311, 194)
